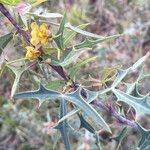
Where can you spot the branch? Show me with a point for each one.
(6, 13)
(62, 73)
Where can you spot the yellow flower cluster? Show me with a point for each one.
(32, 53)
(39, 34)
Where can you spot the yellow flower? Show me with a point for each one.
(39, 34)
(32, 53)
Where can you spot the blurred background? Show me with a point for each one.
(23, 124)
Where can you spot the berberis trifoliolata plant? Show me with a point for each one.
(48, 44)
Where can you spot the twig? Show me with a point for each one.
(6, 13)
(61, 72)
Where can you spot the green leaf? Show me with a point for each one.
(71, 34)
(108, 73)
(59, 36)
(140, 61)
(120, 137)
(120, 75)
(86, 125)
(10, 2)
(77, 66)
(71, 56)
(140, 105)
(63, 126)
(18, 73)
(43, 94)
(91, 95)
(54, 84)
(46, 15)
(76, 98)
(87, 43)
(76, 29)
(4, 40)
(145, 138)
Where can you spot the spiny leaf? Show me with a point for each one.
(71, 34)
(108, 73)
(85, 124)
(120, 137)
(87, 43)
(4, 40)
(145, 138)
(140, 105)
(91, 95)
(63, 126)
(140, 61)
(71, 56)
(76, 29)
(76, 98)
(122, 73)
(43, 94)
(59, 36)
(54, 84)
(78, 65)
(18, 73)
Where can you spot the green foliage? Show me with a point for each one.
(77, 103)
(63, 126)
(145, 138)
(10, 2)
(121, 136)
(18, 73)
(59, 36)
(4, 40)
(43, 94)
(141, 105)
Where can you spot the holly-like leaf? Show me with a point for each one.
(91, 95)
(141, 105)
(87, 43)
(18, 73)
(76, 98)
(55, 84)
(43, 94)
(78, 30)
(108, 73)
(75, 68)
(85, 124)
(63, 126)
(122, 73)
(71, 34)
(59, 36)
(120, 137)
(145, 138)
(140, 61)
(69, 58)
(4, 40)
(10, 2)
